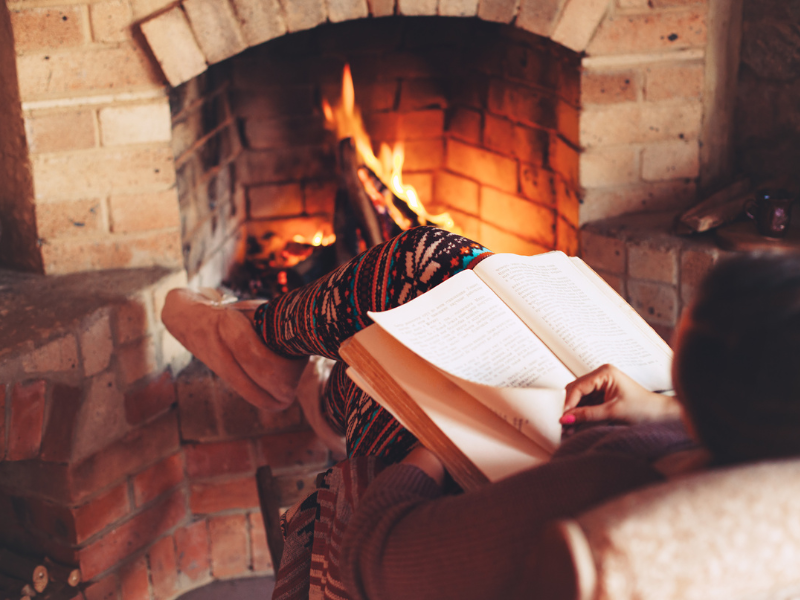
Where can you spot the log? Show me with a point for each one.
(11, 586)
(23, 568)
(359, 200)
(722, 207)
(63, 574)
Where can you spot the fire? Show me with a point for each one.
(318, 239)
(345, 119)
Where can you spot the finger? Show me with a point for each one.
(588, 414)
(583, 386)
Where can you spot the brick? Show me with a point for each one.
(111, 20)
(139, 448)
(222, 458)
(345, 10)
(260, 21)
(423, 155)
(416, 8)
(75, 176)
(633, 3)
(674, 81)
(671, 3)
(522, 104)
(415, 125)
(502, 241)
(640, 197)
(656, 302)
(491, 169)
(633, 123)
(163, 568)
(96, 343)
(135, 581)
(192, 547)
(145, 8)
(498, 134)
(263, 134)
(154, 481)
(133, 535)
(259, 551)
(162, 248)
(229, 554)
(148, 400)
(381, 8)
(519, 216)
(653, 263)
(137, 360)
(609, 166)
(457, 192)
(538, 16)
(76, 218)
(82, 71)
(275, 422)
(144, 212)
(567, 238)
(105, 589)
(416, 94)
(423, 185)
(171, 39)
(465, 124)
(564, 159)
(304, 14)
(578, 22)
(695, 265)
(319, 197)
(100, 512)
(215, 29)
(217, 496)
(281, 200)
(65, 402)
(58, 355)
(293, 164)
(649, 32)
(135, 124)
(55, 132)
(603, 253)
(458, 8)
(530, 145)
(671, 160)
(609, 87)
(199, 421)
(102, 417)
(567, 202)
(46, 28)
(296, 449)
(499, 11)
(26, 419)
(131, 319)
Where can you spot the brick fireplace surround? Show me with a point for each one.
(128, 141)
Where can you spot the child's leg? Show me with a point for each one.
(317, 318)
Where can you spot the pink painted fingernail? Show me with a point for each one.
(567, 419)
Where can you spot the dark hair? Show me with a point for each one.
(738, 359)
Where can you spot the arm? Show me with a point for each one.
(405, 542)
(624, 400)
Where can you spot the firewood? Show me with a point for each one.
(24, 568)
(721, 207)
(359, 200)
(63, 574)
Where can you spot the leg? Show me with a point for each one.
(317, 318)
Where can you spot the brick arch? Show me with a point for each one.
(186, 39)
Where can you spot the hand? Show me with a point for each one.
(424, 459)
(624, 399)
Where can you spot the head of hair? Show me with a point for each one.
(737, 363)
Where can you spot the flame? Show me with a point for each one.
(345, 119)
(318, 239)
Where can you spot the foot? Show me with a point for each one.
(223, 339)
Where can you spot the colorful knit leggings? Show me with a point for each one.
(317, 318)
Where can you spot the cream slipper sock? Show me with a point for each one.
(309, 392)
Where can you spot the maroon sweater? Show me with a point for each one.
(408, 541)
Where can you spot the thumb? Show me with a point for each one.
(586, 414)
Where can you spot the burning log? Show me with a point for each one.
(360, 202)
(62, 574)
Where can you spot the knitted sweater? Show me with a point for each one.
(407, 541)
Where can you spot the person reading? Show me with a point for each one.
(396, 530)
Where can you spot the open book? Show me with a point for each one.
(476, 367)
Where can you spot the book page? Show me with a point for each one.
(464, 329)
(488, 442)
(579, 323)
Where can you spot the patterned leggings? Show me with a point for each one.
(317, 318)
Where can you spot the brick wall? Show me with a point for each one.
(144, 481)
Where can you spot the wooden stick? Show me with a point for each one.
(359, 200)
(24, 568)
(61, 573)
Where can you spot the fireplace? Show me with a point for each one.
(156, 139)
